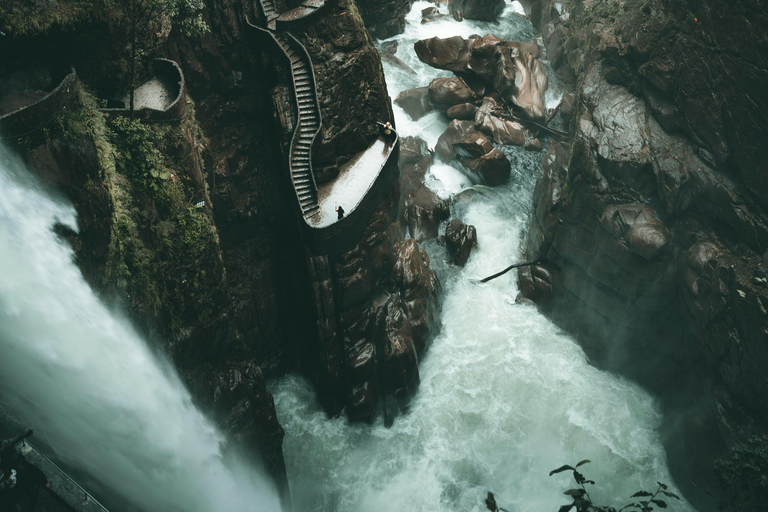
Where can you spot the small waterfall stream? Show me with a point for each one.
(505, 396)
(89, 385)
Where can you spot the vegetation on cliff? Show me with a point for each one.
(163, 257)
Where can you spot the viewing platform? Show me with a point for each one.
(159, 97)
(61, 483)
(26, 111)
(361, 183)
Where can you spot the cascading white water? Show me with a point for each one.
(505, 396)
(89, 385)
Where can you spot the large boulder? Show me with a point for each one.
(476, 156)
(450, 53)
(424, 212)
(463, 111)
(521, 79)
(493, 168)
(474, 57)
(502, 131)
(460, 239)
(454, 133)
(473, 145)
(415, 102)
(447, 92)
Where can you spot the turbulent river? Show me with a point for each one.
(505, 396)
(80, 375)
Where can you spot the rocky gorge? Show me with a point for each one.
(647, 218)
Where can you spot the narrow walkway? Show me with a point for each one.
(61, 483)
(352, 184)
(361, 182)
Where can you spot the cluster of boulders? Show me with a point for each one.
(490, 74)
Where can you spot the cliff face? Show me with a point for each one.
(384, 18)
(651, 224)
(203, 246)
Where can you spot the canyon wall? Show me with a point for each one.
(650, 223)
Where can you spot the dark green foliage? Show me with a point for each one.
(582, 502)
(743, 477)
(138, 156)
(164, 250)
(23, 17)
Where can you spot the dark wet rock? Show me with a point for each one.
(237, 392)
(520, 79)
(492, 168)
(502, 131)
(395, 61)
(450, 53)
(534, 145)
(388, 47)
(462, 111)
(431, 14)
(454, 133)
(473, 57)
(482, 10)
(351, 88)
(418, 286)
(384, 18)
(568, 106)
(473, 145)
(460, 240)
(425, 211)
(447, 92)
(399, 359)
(415, 102)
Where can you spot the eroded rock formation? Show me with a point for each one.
(652, 225)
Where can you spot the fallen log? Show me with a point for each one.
(509, 115)
(516, 265)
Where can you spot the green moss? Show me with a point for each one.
(22, 17)
(164, 249)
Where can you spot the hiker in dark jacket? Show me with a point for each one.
(9, 454)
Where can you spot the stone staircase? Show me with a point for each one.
(308, 125)
(362, 182)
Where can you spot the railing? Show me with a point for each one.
(284, 41)
(29, 119)
(175, 111)
(343, 233)
(61, 483)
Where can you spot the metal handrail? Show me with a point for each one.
(87, 504)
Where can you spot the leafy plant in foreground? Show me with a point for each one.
(582, 502)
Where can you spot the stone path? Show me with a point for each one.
(156, 93)
(352, 184)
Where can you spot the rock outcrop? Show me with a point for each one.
(384, 18)
(460, 239)
(485, 63)
(652, 226)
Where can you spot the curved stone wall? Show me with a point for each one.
(176, 111)
(31, 118)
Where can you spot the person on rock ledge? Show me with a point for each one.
(387, 130)
(9, 454)
(340, 211)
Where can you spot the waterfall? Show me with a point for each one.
(505, 396)
(79, 374)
